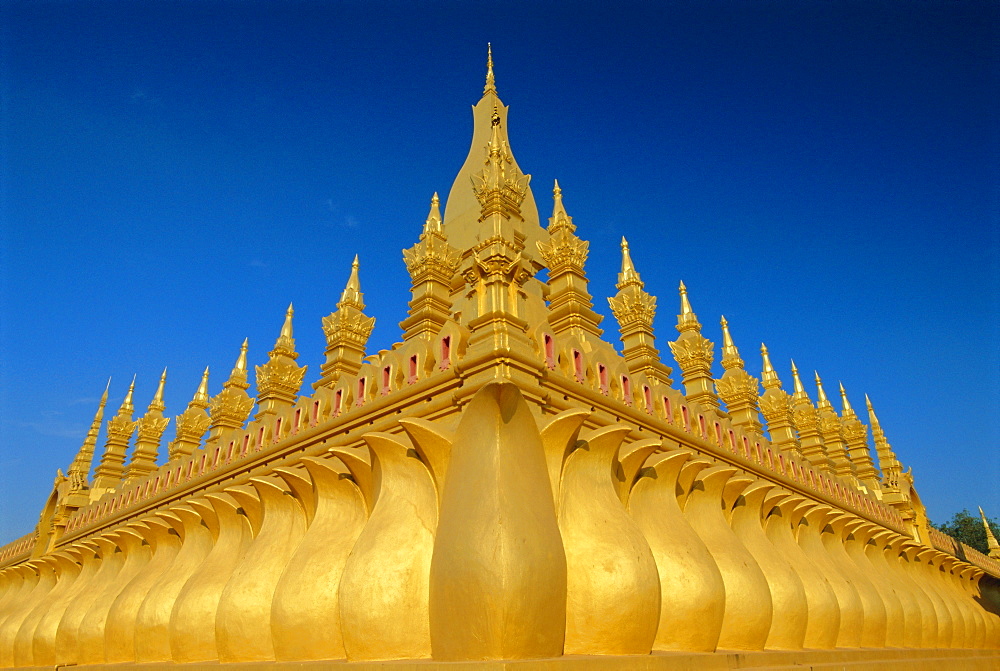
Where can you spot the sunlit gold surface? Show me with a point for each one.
(502, 484)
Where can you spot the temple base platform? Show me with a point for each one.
(774, 660)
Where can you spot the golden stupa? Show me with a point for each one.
(502, 489)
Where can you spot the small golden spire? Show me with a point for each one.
(560, 218)
(730, 355)
(799, 389)
(240, 369)
(352, 292)
(686, 320)
(769, 377)
(628, 276)
(557, 205)
(821, 400)
(201, 396)
(848, 410)
(157, 403)
(433, 222)
(871, 414)
(286, 328)
(80, 467)
(127, 408)
(491, 86)
(992, 545)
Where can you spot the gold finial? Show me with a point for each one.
(991, 540)
(821, 400)
(491, 86)
(800, 390)
(285, 344)
(727, 340)
(433, 222)
(557, 204)
(730, 355)
(352, 292)
(769, 377)
(628, 275)
(157, 403)
(871, 414)
(126, 407)
(241, 360)
(686, 320)
(848, 410)
(201, 396)
(286, 328)
(560, 219)
(80, 467)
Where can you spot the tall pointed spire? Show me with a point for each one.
(80, 468)
(634, 309)
(737, 388)
(730, 355)
(491, 86)
(822, 401)
(108, 474)
(856, 436)
(776, 406)
(192, 423)
(352, 292)
(557, 205)
(565, 254)
(347, 330)
(993, 548)
(628, 275)
(497, 312)
(807, 424)
(433, 222)
(149, 430)
(833, 435)
(686, 320)
(887, 461)
(279, 380)
(848, 411)
(239, 372)
(694, 354)
(798, 388)
(201, 396)
(230, 408)
(491, 184)
(769, 376)
(285, 344)
(432, 263)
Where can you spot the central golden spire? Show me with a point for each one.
(491, 86)
(463, 220)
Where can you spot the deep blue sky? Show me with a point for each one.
(824, 174)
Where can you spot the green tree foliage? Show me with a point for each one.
(968, 528)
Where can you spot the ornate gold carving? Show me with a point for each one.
(108, 473)
(693, 355)
(347, 331)
(231, 407)
(191, 424)
(633, 308)
(279, 380)
(497, 191)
